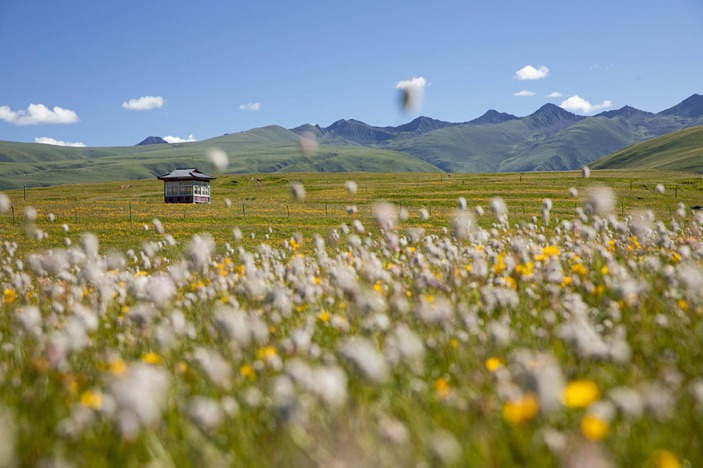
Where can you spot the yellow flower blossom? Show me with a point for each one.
(683, 305)
(579, 269)
(117, 367)
(604, 271)
(247, 371)
(266, 352)
(323, 316)
(493, 364)
(441, 386)
(665, 459)
(9, 296)
(580, 393)
(499, 266)
(521, 410)
(550, 251)
(525, 269)
(151, 358)
(593, 427)
(90, 399)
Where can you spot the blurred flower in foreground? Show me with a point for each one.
(411, 93)
(580, 393)
(217, 158)
(308, 143)
(520, 410)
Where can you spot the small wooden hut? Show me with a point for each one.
(186, 186)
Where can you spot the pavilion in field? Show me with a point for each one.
(186, 186)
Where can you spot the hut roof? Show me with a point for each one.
(186, 174)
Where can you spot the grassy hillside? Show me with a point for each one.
(678, 151)
(269, 149)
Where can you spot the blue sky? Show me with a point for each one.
(213, 67)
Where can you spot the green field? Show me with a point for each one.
(329, 338)
(678, 151)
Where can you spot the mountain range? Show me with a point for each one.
(549, 139)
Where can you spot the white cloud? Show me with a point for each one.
(524, 93)
(144, 103)
(528, 72)
(52, 141)
(252, 106)
(38, 114)
(175, 139)
(578, 104)
(555, 94)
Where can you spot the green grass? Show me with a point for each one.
(678, 151)
(105, 208)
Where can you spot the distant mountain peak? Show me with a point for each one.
(152, 140)
(626, 111)
(691, 107)
(492, 116)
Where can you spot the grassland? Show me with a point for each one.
(678, 151)
(455, 339)
(104, 209)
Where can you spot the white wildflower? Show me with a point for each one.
(364, 354)
(297, 191)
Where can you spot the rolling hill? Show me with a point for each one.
(268, 149)
(677, 151)
(549, 139)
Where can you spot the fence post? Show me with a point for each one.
(25, 191)
(130, 212)
(12, 207)
(288, 210)
(244, 211)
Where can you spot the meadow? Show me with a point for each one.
(532, 319)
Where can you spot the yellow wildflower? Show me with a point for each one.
(665, 459)
(323, 316)
(9, 296)
(579, 269)
(683, 305)
(151, 358)
(521, 410)
(604, 271)
(499, 266)
(117, 367)
(525, 269)
(493, 364)
(566, 281)
(441, 386)
(266, 352)
(593, 427)
(550, 251)
(90, 399)
(247, 371)
(580, 393)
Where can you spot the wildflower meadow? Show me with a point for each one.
(355, 320)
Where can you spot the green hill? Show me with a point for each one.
(268, 149)
(678, 151)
